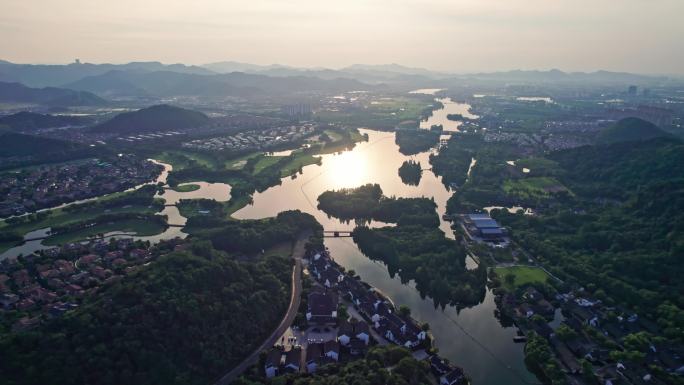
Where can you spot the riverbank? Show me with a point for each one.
(471, 337)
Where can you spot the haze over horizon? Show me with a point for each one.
(452, 36)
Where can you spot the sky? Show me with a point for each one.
(641, 36)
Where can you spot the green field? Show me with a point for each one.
(533, 187)
(334, 136)
(382, 113)
(185, 159)
(265, 161)
(538, 166)
(239, 163)
(234, 205)
(140, 227)
(60, 217)
(186, 188)
(524, 275)
(298, 161)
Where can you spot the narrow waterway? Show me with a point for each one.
(439, 116)
(217, 191)
(471, 338)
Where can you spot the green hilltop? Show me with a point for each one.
(161, 117)
(630, 130)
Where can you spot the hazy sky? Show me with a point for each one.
(454, 35)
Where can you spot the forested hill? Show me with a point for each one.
(622, 233)
(617, 170)
(184, 319)
(629, 130)
(162, 117)
(16, 144)
(51, 96)
(30, 121)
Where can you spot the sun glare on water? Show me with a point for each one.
(349, 169)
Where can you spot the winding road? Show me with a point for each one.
(297, 253)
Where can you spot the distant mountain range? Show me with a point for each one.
(153, 119)
(44, 75)
(49, 96)
(554, 75)
(229, 78)
(30, 121)
(163, 83)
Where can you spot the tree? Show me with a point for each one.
(342, 312)
(565, 333)
(588, 372)
(404, 311)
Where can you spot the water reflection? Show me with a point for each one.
(472, 337)
(439, 117)
(375, 161)
(217, 191)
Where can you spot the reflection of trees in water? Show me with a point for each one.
(416, 253)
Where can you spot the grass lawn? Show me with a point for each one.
(265, 161)
(186, 187)
(523, 275)
(59, 217)
(239, 163)
(184, 159)
(334, 136)
(299, 160)
(234, 205)
(140, 227)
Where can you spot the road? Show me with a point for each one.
(297, 253)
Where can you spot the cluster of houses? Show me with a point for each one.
(380, 312)
(379, 323)
(41, 286)
(52, 185)
(249, 140)
(582, 313)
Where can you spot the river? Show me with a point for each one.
(471, 338)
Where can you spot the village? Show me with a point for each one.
(50, 186)
(249, 140)
(39, 287)
(344, 317)
(587, 335)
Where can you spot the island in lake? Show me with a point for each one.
(410, 172)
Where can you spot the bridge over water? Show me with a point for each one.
(337, 233)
